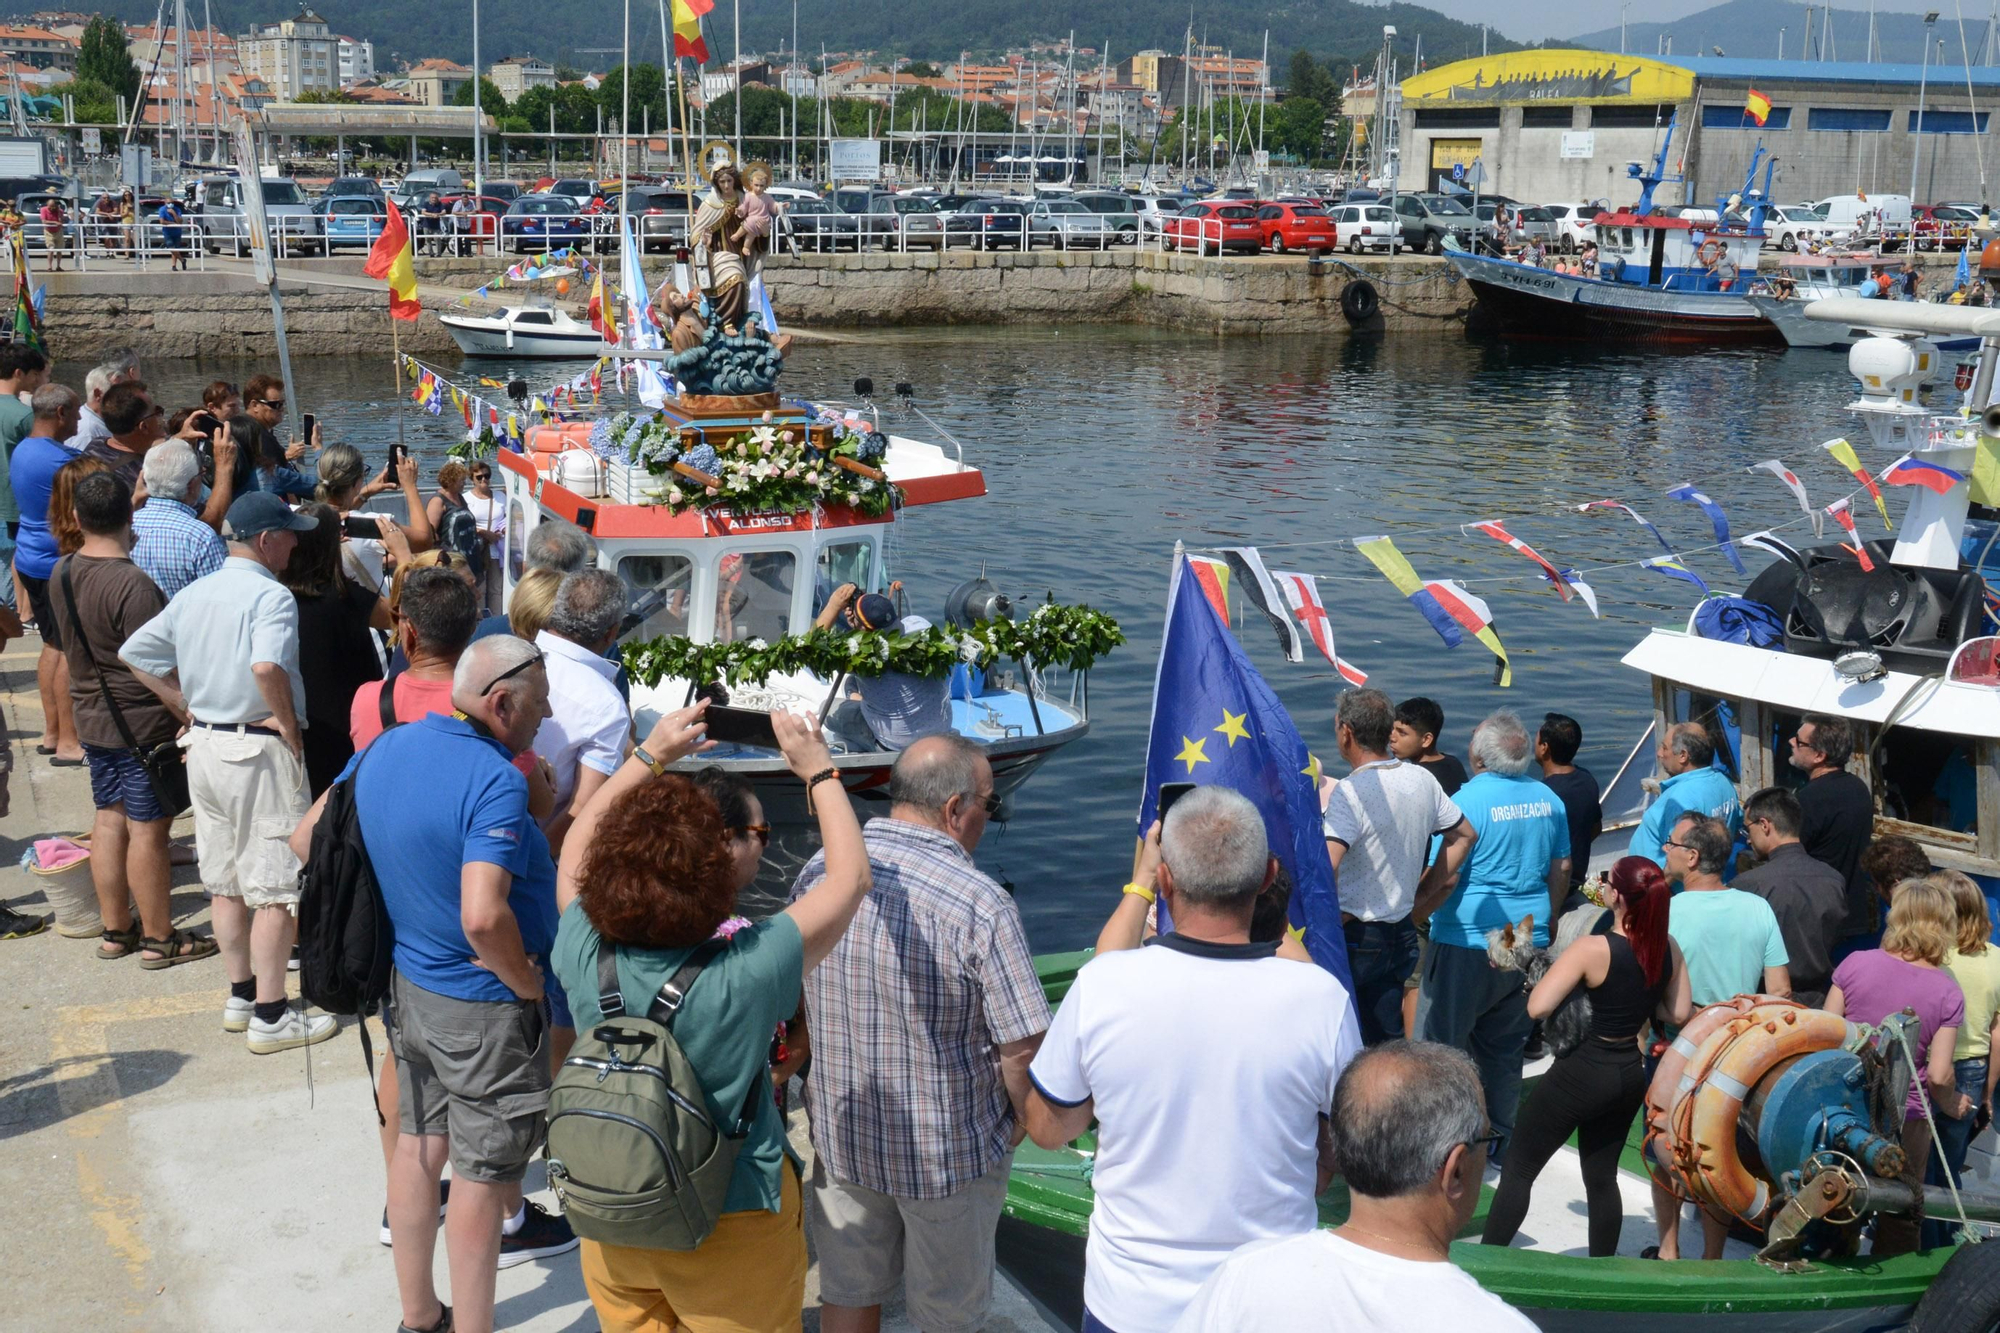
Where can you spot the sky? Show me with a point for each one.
(1533, 23)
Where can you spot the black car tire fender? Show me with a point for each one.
(1359, 301)
(1964, 1296)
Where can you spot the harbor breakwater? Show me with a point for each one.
(332, 310)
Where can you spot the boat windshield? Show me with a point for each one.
(661, 587)
(838, 563)
(754, 596)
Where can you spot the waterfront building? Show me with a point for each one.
(516, 74)
(357, 60)
(435, 82)
(1560, 125)
(295, 55)
(28, 44)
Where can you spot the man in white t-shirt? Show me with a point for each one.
(1411, 1138)
(1379, 823)
(589, 727)
(1209, 1065)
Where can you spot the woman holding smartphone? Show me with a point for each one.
(344, 484)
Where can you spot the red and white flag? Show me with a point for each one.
(1845, 518)
(1302, 595)
(1777, 468)
(1499, 533)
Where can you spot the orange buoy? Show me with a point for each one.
(562, 286)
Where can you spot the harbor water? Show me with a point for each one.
(1102, 446)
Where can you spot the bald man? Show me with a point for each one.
(1693, 785)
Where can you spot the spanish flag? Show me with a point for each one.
(389, 258)
(1757, 106)
(687, 29)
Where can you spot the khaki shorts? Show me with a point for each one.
(940, 1250)
(475, 1072)
(249, 792)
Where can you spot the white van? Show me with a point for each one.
(1844, 211)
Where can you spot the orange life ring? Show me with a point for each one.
(1726, 1068)
(1711, 252)
(1672, 1080)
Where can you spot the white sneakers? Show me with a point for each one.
(236, 1014)
(295, 1029)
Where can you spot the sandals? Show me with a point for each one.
(177, 948)
(127, 943)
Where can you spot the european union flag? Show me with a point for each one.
(1216, 722)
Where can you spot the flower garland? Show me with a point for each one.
(764, 467)
(1053, 635)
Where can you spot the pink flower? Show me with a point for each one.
(728, 929)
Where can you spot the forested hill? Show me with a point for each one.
(575, 32)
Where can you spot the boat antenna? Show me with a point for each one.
(1965, 54)
(1651, 180)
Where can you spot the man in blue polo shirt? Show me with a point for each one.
(1518, 867)
(1693, 786)
(470, 889)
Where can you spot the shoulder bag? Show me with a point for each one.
(165, 762)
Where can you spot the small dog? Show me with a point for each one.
(1512, 948)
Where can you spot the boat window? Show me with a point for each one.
(661, 587)
(1628, 236)
(517, 541)
(532, 317)
(1717, 717)
(1928, 777)
(847, 562)
(754, 596)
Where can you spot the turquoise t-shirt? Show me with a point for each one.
(725, 1026)
(1522, 826)
(1728, 937)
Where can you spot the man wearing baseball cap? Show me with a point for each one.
(224, 657)
(888, 711)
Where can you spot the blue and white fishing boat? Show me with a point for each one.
(1664, 275)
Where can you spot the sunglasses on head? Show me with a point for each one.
(511, 672)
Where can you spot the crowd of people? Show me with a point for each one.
(220, 636)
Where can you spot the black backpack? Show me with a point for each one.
(459, 535)
(345, 936)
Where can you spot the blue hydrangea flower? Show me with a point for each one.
(703, 458)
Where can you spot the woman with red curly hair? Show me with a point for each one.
(1634, 973)
(650, 869)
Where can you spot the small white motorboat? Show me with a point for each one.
(536, 329)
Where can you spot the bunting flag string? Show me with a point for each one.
(1494, 529)
(1636, 517)
(1843, 453)
(1687, 494)
(1302, 595)
(1583, 590)
(1262, 592)
(1449, 608)
(539, 268)
(1476, 618)
(1213, 578)
(1673, 568)
(1770, 541)
(1844, 516)
(1792, 483)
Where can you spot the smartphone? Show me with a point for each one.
(360, 525)
(740, 726)
(306, 424)
(397, 452)
(1171, 792)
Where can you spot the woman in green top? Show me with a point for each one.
(648, 869)
(1975, 965)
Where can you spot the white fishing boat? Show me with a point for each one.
(1803, 279)
(533, 329)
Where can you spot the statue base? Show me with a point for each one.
(725, 405)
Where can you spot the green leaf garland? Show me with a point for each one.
(1052, 635)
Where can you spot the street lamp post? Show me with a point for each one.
(1917, 148)
(1621, 27)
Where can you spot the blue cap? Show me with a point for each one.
(261, 511)
(874, 611)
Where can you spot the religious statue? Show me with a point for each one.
(724, 250)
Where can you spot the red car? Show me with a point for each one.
(1214, 225)
(1943, 226)
(1295, 227)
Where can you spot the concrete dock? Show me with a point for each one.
(163, 1178)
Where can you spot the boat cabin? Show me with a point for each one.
(1677, 254)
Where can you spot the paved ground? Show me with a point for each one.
(162, 1178)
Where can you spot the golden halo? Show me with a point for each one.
(716, 153)
(754, 166)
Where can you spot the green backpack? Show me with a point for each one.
(635, 1156)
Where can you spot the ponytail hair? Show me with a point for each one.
(1643, 889)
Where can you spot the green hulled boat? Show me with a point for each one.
(1568, 1293)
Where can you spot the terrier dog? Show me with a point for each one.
(1512, 948)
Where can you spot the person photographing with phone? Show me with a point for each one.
(344, 483)
(894, 709)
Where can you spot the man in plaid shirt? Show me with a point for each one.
(170, 542)
(924, 1020)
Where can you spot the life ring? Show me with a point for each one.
(1711, 252)
(1672, 1080)
(1725, 1069)
(1359, 301)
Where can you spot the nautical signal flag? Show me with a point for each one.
(1217, 723)
(1672, 567)
(389, 259)
(1451, 610)
(1843, 453)
(1756, 105)
(1716, 518)
(1844, 516)
(1498, 532)
(1777, 468)
(1302, 595)
(1910, 470)
(1476, 618)
(1262, 591)
(687, 29)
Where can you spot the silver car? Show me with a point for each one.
(222, 221)
(903, 222)
(1069, 225)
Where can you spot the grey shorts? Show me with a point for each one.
(939, 1250)
(476, 1072)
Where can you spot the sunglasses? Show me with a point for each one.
(992, 800)
(761, 832)
(482, 476)
(1489, 1140)
(509, 673)
(277, 403)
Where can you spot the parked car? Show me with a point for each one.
(1792, 228)
(663, 221)
(1363, 227)
(814, 224)
(542, 222)
(1360, 195)
(1124, 213)
(1428, 219)
(1212, 226)
(1943, 226)
(1573, 224)
(857, 198)
(352, 219)
(431, 180)
(1068, 225)
(1519, 221)
(506, 191)
(365, 187)
(901, 220)
(220, 218)
(987, 224)
(1295, 226)
(579, 192)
